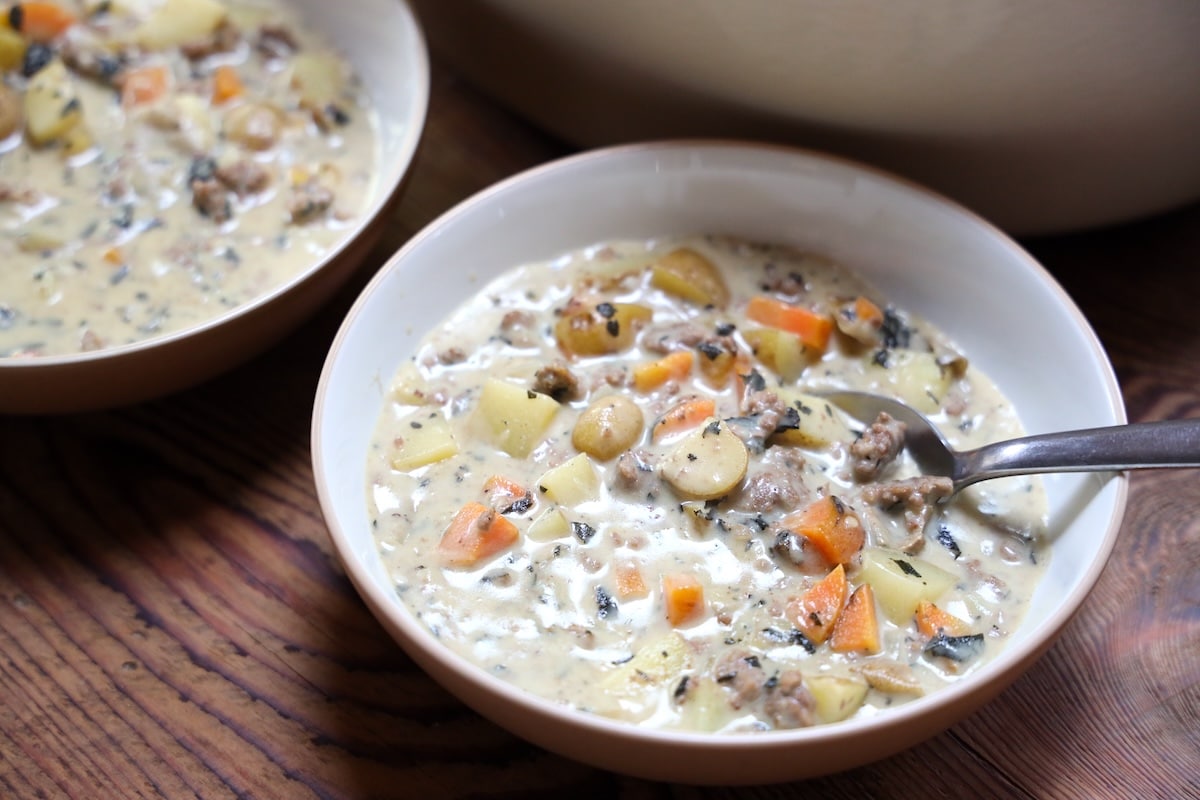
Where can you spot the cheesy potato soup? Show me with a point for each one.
(165, 161)
(611, 479)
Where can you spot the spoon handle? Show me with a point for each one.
(1142, 445)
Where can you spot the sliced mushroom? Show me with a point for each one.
(608, 427)
(707, 463)
(254, 125)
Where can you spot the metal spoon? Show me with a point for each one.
(1143, 445)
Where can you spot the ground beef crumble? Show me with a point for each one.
(557, 380)
(877, 448)
(916, 496)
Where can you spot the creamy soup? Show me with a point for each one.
(611, 479)
(165, 161)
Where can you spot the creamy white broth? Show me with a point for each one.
(150, 217)
(547, 613)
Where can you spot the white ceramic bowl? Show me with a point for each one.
(921, 251)
(1041, 116)
(383, 41)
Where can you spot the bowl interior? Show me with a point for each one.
(922, 252)
(383, 41)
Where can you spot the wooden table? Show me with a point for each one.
(174, 621)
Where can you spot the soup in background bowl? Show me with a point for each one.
(186, 180)
(920, 252)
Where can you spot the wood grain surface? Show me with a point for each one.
(174, 622)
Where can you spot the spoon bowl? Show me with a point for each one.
(1143, 445)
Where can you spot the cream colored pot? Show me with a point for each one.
(1042, 116)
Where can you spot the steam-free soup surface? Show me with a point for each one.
(610, 480)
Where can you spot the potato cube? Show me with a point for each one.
(177, 22)
(76, 140)
(573, 482)
(552, 524)
(515, 417)
(426, 440)
(410, 387)
(652, 666)
(12, 49)
(914, 377)
(902, 581)
(837, 698)
(820, 422)
(318, 77)
(780, 351)
(707, 707)
(631, 690)
(51, 106)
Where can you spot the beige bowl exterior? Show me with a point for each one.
(1041, 116)
(923, 253)
(387, 47)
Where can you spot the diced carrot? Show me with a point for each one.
(683, 595)
(684, 415)
(503, 485)
(144, 84)
(674, 366)
(504, 492)
(40, 21)
(476, 532)
(630, 583)
(866, 310)
(816, 611)
(932, 620)
(113, 256)
(227, 84)
(814, 329)
(857, 628)
(833, 529)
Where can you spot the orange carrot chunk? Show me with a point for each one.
(814, 329)
(857, 628)
(499, 484)
(671, 367)
(40, 21)
(144, 85)
(476, 533)
(630, 583)
(683, 416)
(816, 611)
(866, 310)
(932, 620)
(683, 596)
(227, 84)
(505, 493)
(833, 529)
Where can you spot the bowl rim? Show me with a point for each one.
(984, 683)
(390, 183)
